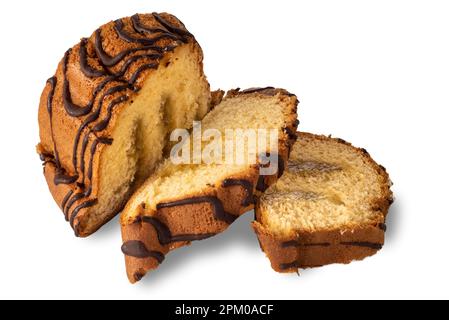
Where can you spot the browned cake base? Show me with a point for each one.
(320, 248)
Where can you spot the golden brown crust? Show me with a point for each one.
(100, 73)
(187, 221)
(316, 249)
(200, 219)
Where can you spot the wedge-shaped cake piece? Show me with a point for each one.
(182, 203)
(329, 207)
(106, 115)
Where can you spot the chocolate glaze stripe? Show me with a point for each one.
(248, 186)
(74, 198)
(78, 196)
(109, 61)
(165, 236)
(141, 69)
(192, 237)
(295, 243)
(83, 153)
(262, 186)
(125, 36)
(75, 212)
(102, 125)
(52, 82)
(182, 32)
(66, 198)
(292, 135)
(369, 245)
(137, 249)
(219, 211)
(382, 226)
(87, 70)
(62, 178)
(139, 28)
(290, 265)
(92, 118)
(255, 90)
(71, 108)
(130, 61)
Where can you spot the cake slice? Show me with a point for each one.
(105, 116)
(183, 203)
(329, 207)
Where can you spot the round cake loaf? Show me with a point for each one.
(104, 117)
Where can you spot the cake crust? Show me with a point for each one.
(315, 249)
(80, 104)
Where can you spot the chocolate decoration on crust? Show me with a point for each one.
(66, 198)
(87, 70)
(291, 133)
(369, 245)
(261, 184)
(281, 166)
(291, 265)
(71, 108)
(248, 186)
(165, 236)
(138, 276)
(112, 84)
(181, 32)
(62, 178)
(137, 249)
(295, 243)
(219, 211)
(254, 90)
(144, 41)
(52, 82)
(382, 226)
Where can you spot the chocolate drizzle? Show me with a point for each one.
(382, 226)
(369, 245)
(71, 108)
(119, 28)
(52, 82)
(262, 186)
(296, 244)
(219, 211)
(87, 70)
(256, 90)
(137, 249)
(248, 186)
(165, 236)
(112, 84)
(290, 265)
(181, 32)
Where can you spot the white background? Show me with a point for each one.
(375, 73)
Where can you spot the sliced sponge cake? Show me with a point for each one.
(329, 207)
(183, 203)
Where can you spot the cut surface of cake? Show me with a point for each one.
(329, 207)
